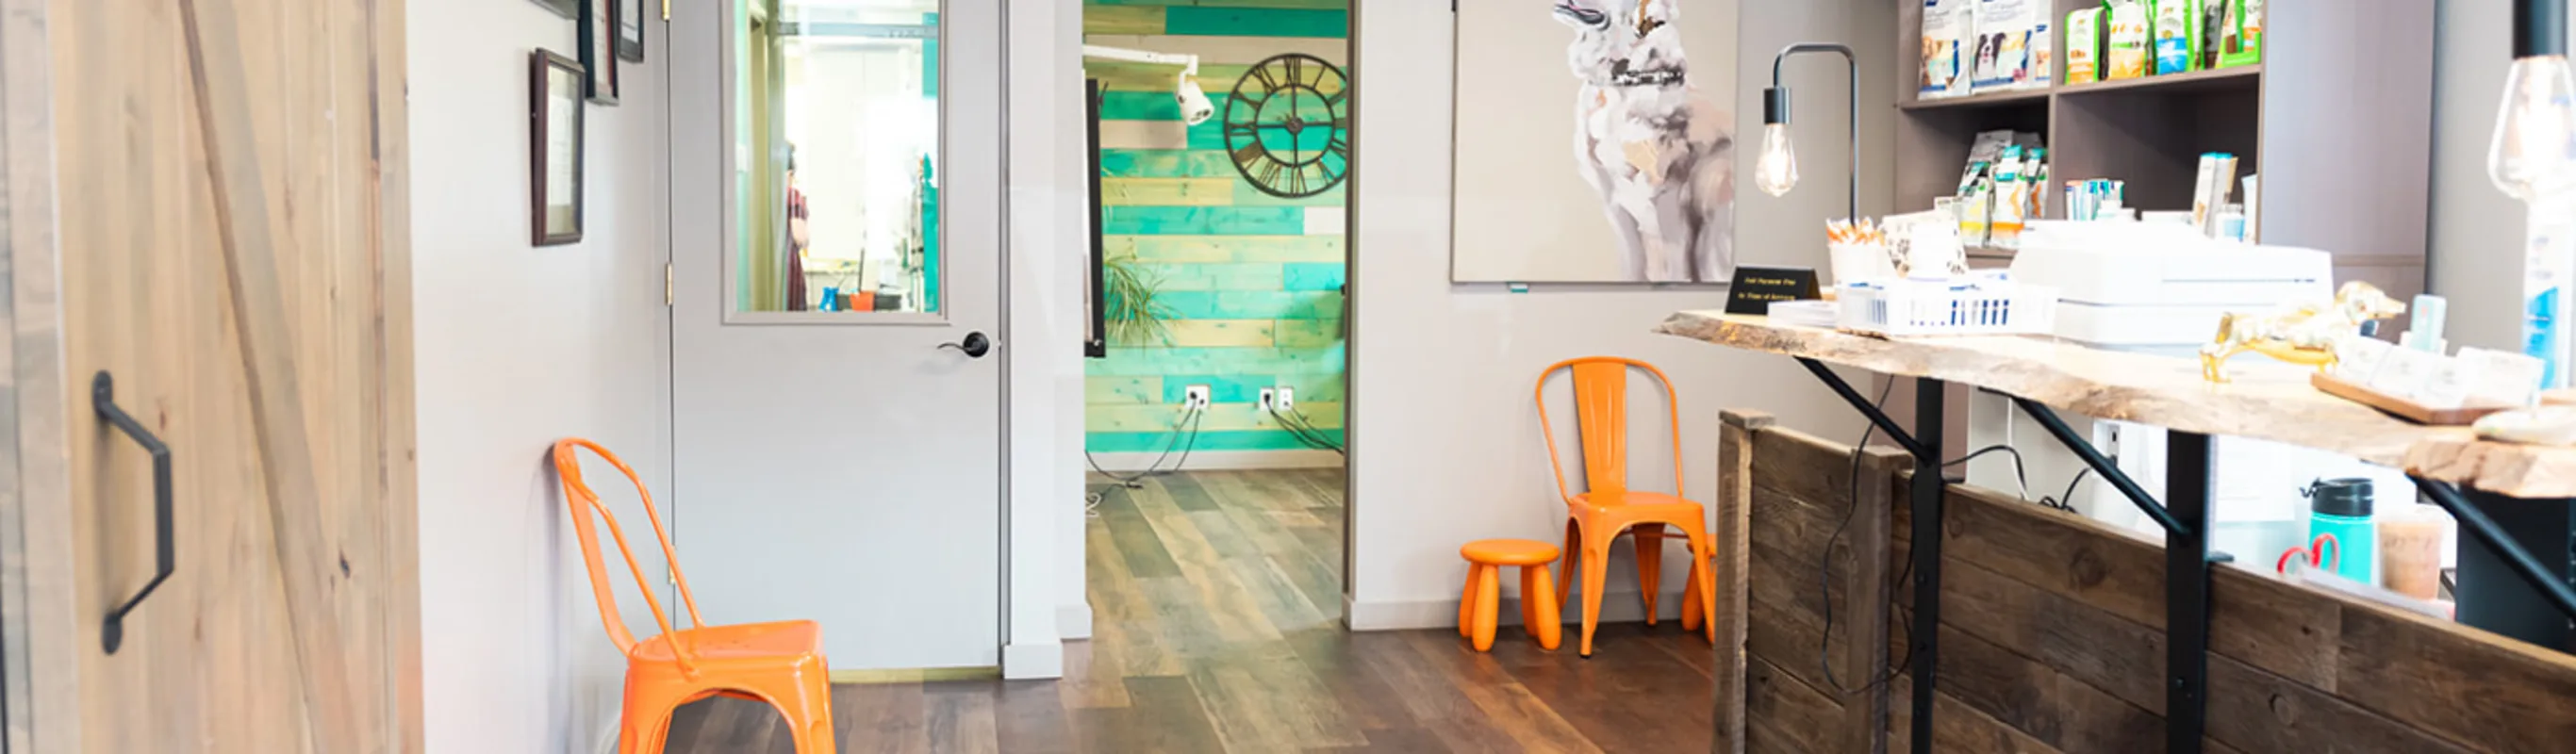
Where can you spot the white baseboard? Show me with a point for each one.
(1229, 460)
(1073, 621)
(1033, 661)
(1617, 607)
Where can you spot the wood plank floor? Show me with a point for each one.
(1217, 601)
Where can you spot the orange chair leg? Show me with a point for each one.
(1596, 571)
(1650, 566)
(1690, 600)
(1573, 546)
(1467, 601)
(647, 718)
(1488, 602)
(1704, 562)
(1545, 623)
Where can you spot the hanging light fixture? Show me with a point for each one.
(2534, 149)
(1777, 171)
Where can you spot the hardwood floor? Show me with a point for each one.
(1217, 600)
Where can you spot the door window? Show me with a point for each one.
(837, 169)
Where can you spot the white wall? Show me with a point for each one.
(517, 347)
(1041, 343)
(1446, 446)
(2477, 230)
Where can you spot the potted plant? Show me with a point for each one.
(1134, 315)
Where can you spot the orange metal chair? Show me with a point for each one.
(1595, 518)
(779, 664)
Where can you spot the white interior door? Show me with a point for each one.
(842, 466)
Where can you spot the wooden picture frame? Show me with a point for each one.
(564, 8)
(555, 145)
(630, 30)
(599, 50)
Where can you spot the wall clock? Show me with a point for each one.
(1288, 126)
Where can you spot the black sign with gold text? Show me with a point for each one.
(1756, 287)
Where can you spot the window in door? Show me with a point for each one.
(837, 176)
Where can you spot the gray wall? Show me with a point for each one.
(2477, 230)
(518, 347)
(1446, 445)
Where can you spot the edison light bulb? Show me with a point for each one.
(2535, 138)
(1777, 173)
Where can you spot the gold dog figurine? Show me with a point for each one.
(2305, 335)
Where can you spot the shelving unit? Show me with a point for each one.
(2342, 83)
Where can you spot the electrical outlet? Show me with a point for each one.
(1195, 396)
(1287, 398)
(1266, 396)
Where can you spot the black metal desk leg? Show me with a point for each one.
(2187, 493)
(1928, 487)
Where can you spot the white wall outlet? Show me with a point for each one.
(1195, 396)
(1287, 398)
(1266, 395)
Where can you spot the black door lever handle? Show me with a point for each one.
(974, 346)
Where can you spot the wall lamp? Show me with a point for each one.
(1777, 172)
(1195, 107)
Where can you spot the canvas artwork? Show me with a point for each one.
(1596, 141)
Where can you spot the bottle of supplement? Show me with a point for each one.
(2341, 507)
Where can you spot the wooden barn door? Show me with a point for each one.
(231, 194)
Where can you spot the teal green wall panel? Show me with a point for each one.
(1155, 442)
(1255, 22)
(1166, 163)
(1310, 276)
(1253, 304)
(1204, 221)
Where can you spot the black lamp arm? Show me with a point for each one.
(1775, 103)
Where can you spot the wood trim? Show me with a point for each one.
(1865, 595)
(42, 682)
(397, 427)
(1733, 543)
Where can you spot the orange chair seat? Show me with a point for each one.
(749, 641)
(1509, 552)
(1638, 505)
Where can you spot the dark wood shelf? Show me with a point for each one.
(1990, 99)
(2239, 77)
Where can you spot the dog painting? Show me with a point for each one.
(1653, 152)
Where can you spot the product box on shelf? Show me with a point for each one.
(1949, 29)
(2127, 47)
(2240, 30)
(2011, 44)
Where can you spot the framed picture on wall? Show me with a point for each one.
(554, 148)
(565, 8)
(630, 29)
(599, 48)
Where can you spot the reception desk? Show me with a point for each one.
(2020, 628)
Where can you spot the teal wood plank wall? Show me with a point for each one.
(1253, 281)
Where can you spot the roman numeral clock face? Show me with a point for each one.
(1288, 126)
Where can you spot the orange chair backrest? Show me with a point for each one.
(1601, 417)
(579, 497)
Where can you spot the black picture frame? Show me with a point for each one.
(630, 29)
(564, 8)
(599, 50)
(554, 88)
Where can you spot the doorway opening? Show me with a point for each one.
(1220, 142)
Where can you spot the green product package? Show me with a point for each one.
(2176, 30)
(2084, 46)
(2241, 33)
(2126, 52)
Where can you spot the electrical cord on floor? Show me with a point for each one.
(1178, 437)
(1302, 428)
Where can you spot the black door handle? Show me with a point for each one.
(102, 397)
(974, 346)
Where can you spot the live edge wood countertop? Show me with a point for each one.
(2266, 400)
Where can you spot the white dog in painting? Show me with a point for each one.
(1657, 150)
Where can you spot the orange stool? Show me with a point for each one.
(1483, 598)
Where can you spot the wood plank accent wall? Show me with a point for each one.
(2052, 634)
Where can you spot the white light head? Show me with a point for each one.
(1195, 107)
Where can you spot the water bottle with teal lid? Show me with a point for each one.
(2342, 507)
